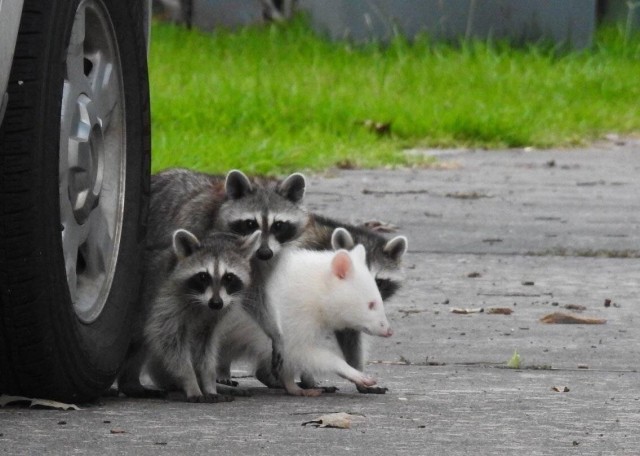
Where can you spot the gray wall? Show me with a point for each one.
(560, 21)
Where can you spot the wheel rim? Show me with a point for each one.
(92, 159)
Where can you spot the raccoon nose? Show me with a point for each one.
(264, 253)
(216, 303)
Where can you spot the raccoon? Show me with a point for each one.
(199, 202)
(314, 294)
(205, 279)
(384, 257)
(203, 203)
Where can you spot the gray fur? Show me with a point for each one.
(203, 203)
(180, 327)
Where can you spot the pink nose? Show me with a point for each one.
(389, 333)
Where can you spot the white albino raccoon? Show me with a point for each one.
(313, 294)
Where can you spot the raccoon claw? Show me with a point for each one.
(227, 381)
(372, 389)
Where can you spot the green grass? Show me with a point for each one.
(278, 98)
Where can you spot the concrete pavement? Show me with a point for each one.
(533, 231)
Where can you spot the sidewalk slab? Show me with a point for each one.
(529, 231)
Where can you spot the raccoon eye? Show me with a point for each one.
(244, 227)
(251, 224)
(283, 231)
(199, 282)
(231, 283)
(387, 287)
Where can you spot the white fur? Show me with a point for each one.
(311, 299)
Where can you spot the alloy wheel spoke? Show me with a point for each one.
(75, 61)
(104, 85)
(98, 246)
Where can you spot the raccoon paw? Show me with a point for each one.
(215, 398)
(330, 389)
(209, 398)
(372, 389)
(233, 391)
(365, 381)
(227, 381)
(325, 389)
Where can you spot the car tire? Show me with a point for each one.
(74, 193)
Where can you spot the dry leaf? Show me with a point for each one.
(457, 310)
(339, 420)
(566, 319)
(500, 310)
(42, 403)
(560, 389)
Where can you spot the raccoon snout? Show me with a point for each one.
(264, 253)
(216, 303)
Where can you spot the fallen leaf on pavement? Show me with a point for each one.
(566, 319)
(40, 403)
(457, 310)
(560, 389)
(500, 310)
(339, 420)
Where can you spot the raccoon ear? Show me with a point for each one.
(341, 239)
(292, 188)
(341, 265)
(237, 184)
(251, 244)
(184, 243)
(396, 247)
